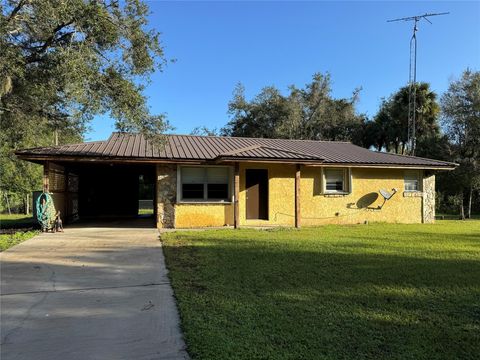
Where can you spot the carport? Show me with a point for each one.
(112, 190)
(112, 179)
(97, 189)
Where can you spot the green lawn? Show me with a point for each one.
(9, 240)
(378, 291)
(16, 228)
(145, 212)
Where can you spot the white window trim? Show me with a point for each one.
(419, 181)
(347, 177)
(204, 201)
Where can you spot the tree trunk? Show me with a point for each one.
(27, 204)
(469, 208)
(8, 204)
(462, 210)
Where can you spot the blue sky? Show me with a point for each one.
(218, 44)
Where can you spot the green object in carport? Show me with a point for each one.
(45, 211)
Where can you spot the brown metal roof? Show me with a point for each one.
(215, 148)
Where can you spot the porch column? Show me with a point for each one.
(297, 197)
(155, 194)
(236, 192)
(46, 172)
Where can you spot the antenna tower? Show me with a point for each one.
(412, 78)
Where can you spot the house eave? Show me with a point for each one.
(388, 166)
(39, 159)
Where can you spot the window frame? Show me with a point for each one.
(418, 180)
(346, 183)
(205, 199)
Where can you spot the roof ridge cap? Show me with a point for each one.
(257, 138)
(238, 137)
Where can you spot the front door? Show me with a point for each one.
(256, 183)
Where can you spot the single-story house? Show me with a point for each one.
(202, 181)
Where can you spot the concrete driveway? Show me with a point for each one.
(89, 293)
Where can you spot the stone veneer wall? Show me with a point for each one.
(428, 202)
(166, 195)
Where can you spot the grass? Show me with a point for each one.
(145, 212)
(16, 228)
(9, 240)
(379, 291)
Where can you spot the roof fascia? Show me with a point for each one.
(386, 166)
(307, 162)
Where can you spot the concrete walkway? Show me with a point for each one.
(89, 293)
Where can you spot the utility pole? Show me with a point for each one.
(412, 78)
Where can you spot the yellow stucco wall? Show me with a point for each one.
(199, 215)
(316, 208)
(281, 195)
(281, 203)
(357, 207)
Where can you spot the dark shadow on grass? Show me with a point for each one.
(23, 224)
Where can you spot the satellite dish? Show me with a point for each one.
(386, 195)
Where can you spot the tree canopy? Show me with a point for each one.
(461, 119)
(305, 113)
(63, 62)
(389, 127)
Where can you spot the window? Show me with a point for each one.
(193, 183)
(336, 180)
(217, 183)
(205, 183)
(411, 181)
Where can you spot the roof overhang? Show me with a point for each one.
(40, 159)
(388, 166)
(101, 159)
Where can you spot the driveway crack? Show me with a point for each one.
(53, 279)
(24, 319)
(85, 289)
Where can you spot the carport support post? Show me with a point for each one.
(46, 168)
(236, 192)
(297, 196)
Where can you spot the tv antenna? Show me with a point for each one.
(412, 77)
